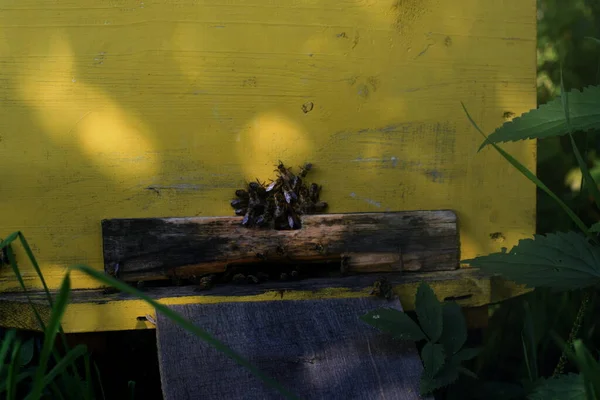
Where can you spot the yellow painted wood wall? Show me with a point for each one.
(156, 108)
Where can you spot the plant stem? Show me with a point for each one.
(562, 361)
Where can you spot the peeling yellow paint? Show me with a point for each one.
(166, 109)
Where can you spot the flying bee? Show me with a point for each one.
(304, 169)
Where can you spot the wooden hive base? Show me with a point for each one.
(404, 247)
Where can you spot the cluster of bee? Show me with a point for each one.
(279, 203)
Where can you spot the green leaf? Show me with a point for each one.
(531, 176)
(454, 331)
(549, 119)
(13, 370)
(395, 322)
(446, 376)
(50, 335)
(433, 358)
(187, 325)
(66, 361)
(562, 387)
(561, 261)
(7, 342)
(590, 183)
(466, 354)
(589, 367)
(595, 228)
(26, 352)
(429, 312)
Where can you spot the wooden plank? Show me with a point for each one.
(93, 310)
(155, 248)
(326, 353)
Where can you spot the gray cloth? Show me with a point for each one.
(317, 349)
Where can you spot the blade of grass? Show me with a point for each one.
(22, 376)
(50, 336)
(13, 264)
(13, 370)
(182, 322)
(529, 345)
(587, 365)
(590, 183)
(6, 344)
(89, 389)
(56, 392)
(36, 266)
(68, 359)
(529, 175)
(131, 387)
(9, 240)
(99, 377)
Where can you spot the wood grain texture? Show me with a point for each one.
(162, 108)
(92, 310)
(150, 249)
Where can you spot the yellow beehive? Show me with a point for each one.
(155, 108)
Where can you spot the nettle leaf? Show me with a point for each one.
(454, 332)
(561, 261)
(446, 376)
(549, 119)
(433, 358)
(429, 312)
(562, 387)
(393, 321)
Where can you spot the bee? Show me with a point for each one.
(238, 203)
(252, 279)
(293, 219)
(344, 264)
(274, 186)
(320, 206)
(206, 282)
(241, 211)
(262, 276)
(242, 194)
(304, 169)
(239, 278)
(383, 288)
(313, 192)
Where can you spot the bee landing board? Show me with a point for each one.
(164, 248)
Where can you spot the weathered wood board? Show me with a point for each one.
(156, 108)
(157, 248)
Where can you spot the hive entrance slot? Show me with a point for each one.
(327, 246)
